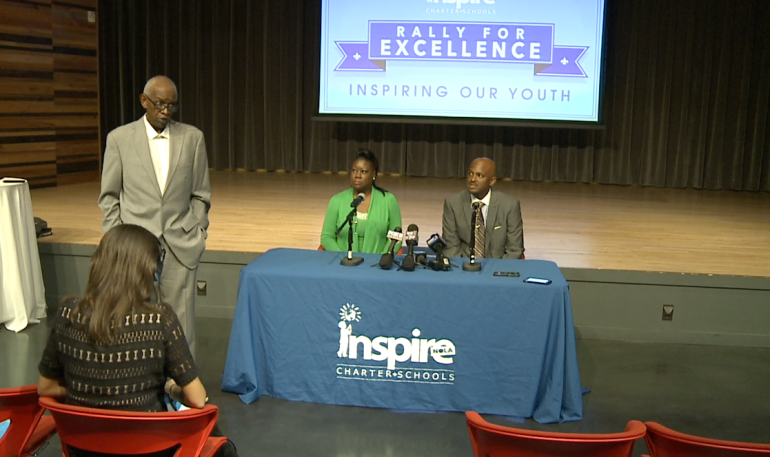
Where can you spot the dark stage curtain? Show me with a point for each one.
(685, 104)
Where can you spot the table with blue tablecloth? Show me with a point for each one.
(309, 329)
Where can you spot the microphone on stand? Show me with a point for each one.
(386, 261)
(358, 200)
(349, 219)
(472, 265)
(411, 241)
(351, 261)
(437, 245)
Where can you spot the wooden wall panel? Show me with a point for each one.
(27, 106)
(27, 137)
(75, 82)
(35, 87)
(49, 91)
(60, 123)
(18, 57)
(27, 19)
(30, 155)
(76, 91)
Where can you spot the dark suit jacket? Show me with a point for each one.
(130, 192)
(505, 233)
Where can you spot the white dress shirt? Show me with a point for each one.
(485, 201)
(159, 152)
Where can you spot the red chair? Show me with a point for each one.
(29, 428)
(129, 432)
(664, 442)
(491, 440)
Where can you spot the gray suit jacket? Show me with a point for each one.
(505, 233)
(130, 192)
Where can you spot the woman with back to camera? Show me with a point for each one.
(378, 213)
(114, 348)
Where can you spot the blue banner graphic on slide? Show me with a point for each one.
(506, 59)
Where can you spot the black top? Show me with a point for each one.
(127, 375)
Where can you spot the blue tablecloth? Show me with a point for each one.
(308, 329)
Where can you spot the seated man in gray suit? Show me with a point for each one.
(500, 234)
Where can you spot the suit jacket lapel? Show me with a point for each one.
(142, 148)
(492, 213)
(468, 212)
(491, 221)
(468, 216)
(175, 150)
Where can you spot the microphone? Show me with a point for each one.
(358, 200)
(351, 261)
(472, 265)
(411, 241)
(437, 245)
(472, 253)
(386, 261)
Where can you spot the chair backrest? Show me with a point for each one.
(492, 440)
(28, 429)
(129, 432)
(664, 442)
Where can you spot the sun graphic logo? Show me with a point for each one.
(350, 313)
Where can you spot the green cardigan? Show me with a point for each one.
(384, 214)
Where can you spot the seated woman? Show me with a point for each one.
(378, 213)
(115, 348)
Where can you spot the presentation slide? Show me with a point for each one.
(489, 59)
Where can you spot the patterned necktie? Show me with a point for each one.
(480, 234)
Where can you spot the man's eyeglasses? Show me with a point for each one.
(160, 106)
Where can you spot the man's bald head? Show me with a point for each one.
(160, 101)
(160, 82)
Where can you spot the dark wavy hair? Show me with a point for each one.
(369, 156)
(121, 281)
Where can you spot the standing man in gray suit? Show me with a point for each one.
(502, 231)
(156, 175)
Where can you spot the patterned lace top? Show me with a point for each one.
(128, 375)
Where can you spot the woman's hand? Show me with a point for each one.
(173, 390)
(192, 395)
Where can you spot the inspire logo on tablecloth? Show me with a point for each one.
(414, 351)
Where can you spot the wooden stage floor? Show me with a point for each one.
(574, 225)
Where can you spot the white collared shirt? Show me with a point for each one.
(485, 201)
(159, 152)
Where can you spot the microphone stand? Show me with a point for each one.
(350, 261)
(472, 265)
(348, 220)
